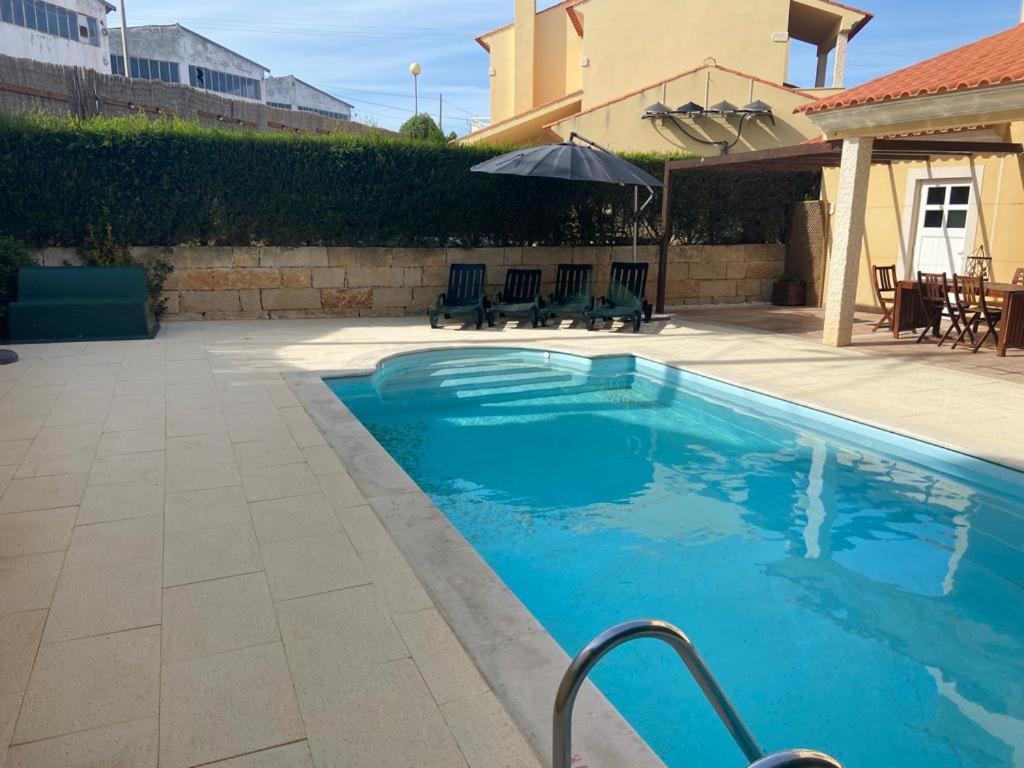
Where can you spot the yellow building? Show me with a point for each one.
(619, 72)
(923, 171)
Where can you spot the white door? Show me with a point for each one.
(942, 227)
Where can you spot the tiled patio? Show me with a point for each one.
(189, 575)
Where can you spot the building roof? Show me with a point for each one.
(192, 32)
(993, 60)
(565, 5)
(313, 88)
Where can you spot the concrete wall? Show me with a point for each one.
(29, 85)
(25, 43)
(172, 42)
(290, 90)
(228, 283)
(891, 219)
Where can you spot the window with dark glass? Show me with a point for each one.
(223, 82)
(50, 19)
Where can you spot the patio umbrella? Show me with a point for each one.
(578, 159)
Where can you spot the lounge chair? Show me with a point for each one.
(573, 294)
(467, 284)
(521, 296)
(627, 286)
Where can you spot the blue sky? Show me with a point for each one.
(361, 49)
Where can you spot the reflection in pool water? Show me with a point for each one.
(849, 594)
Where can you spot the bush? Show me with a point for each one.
(13, 256)
(422, 127)
(173, 182)
(104, 250)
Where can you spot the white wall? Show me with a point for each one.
(24, 43)
(290, 90)
(173, 43)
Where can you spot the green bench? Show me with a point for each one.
(81, 304)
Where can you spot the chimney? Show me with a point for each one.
(525, 21)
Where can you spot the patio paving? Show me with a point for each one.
(189, 575)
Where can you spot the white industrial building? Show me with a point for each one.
(289, 92)
(68, 32)
(176, 54)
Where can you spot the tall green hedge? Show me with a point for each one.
(172, 182)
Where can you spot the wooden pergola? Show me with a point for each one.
(811, 158)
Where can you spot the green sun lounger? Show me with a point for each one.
(627, 286)
(521, 296)
(467, 286)
(573, 294)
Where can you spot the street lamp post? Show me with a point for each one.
(124, 43)
(414, 70)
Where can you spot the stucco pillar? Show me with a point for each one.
(819, 80)
(839, 74)
(848, 234)
(524, 42)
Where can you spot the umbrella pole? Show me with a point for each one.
(636, 221)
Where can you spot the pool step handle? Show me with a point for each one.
(610, 639)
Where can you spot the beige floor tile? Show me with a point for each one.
(322, 460)
(133, 412)
(302, 427)
(134, 388)
(441, 659)
(248, 422)
(6, 473)
(74, 407)
(211, 508)
(308, 566)
(188, 371)
(90, 683)
(394, 579)
(225, 705)
(26, 583)
(9, 705)
(20, 426)
(195, 418)
(200, 462)
(27, 394)
(105, 600)
(296, 517)
(50, 492)
(43, 530)
(125, 745)
(267, 453)
(280, 394)
(131, 441)
(128, 468)
(341, 490)
(278, 482)
(134, 541)
(289, 756)
(364, 529)
(120, 501)
(344, 630)
(13, 451)
(215, 616)
(486, 734)
(377, 717)
(61, 451)
(210, 553)
(19, 639)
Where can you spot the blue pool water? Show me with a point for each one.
(853, 591)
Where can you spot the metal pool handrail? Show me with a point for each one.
(610, 639)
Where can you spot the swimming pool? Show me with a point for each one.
(852, 590)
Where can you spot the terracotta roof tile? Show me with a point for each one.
(991, 61)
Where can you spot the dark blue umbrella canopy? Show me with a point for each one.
(570, 161)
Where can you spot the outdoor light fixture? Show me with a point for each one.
(690, 109)
(723, 109)
(657, 109)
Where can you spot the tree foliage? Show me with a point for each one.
(423, 128)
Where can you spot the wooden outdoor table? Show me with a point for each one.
(909, 313)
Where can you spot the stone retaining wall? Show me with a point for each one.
(231, 283)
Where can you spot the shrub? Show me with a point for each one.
(422, 127)
(13, 256)
(170, 182)
(104, 250)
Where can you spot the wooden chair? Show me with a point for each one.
(933, 289)
(973, 308)
(1018, 276)
(885, 293)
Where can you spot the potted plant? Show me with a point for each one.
(789, 291)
